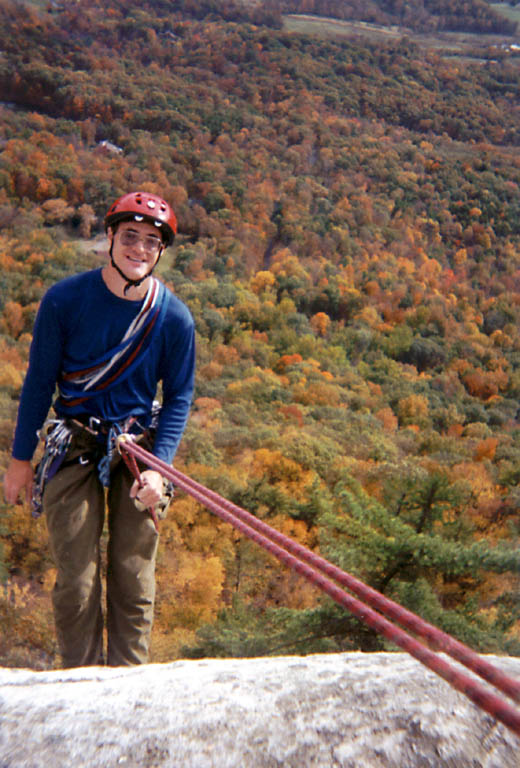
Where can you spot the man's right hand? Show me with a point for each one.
(19, 476)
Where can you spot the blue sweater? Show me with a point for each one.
(79, 319)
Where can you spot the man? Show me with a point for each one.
(105, 338)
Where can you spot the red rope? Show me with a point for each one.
(313, 567)
(134, 469)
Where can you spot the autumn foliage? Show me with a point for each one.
(349, 246)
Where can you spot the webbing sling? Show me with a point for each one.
(77, 385)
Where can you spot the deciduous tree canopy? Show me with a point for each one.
(349, 246)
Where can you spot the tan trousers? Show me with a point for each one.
(74, 504)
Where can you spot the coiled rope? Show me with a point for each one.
(316, 569)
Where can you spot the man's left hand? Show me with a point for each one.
(150, 490)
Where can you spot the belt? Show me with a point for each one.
(91, 424)
(96, 426)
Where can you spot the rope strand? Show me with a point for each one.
(315, 569)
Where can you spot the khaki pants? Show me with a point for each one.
(74, 504)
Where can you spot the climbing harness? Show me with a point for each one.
(58, 435)
(316, 569)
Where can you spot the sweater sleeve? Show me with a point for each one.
(177, 385)
(40, 381)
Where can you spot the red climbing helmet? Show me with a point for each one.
(143, 206)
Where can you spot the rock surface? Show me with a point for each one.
(350, 710)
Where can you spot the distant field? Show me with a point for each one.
(506, 10)
(329, 27)
(450, 42)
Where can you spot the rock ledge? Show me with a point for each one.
(349, 710)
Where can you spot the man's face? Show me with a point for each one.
(136, 247)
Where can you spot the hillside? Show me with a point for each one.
(350, 249)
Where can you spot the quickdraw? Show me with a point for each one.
(57, 442)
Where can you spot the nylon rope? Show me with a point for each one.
(316, 569)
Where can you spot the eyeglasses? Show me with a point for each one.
(131, 239)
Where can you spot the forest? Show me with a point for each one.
(349, 246)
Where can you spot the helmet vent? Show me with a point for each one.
(144, 206)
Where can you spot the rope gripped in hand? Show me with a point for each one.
(131, 463)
